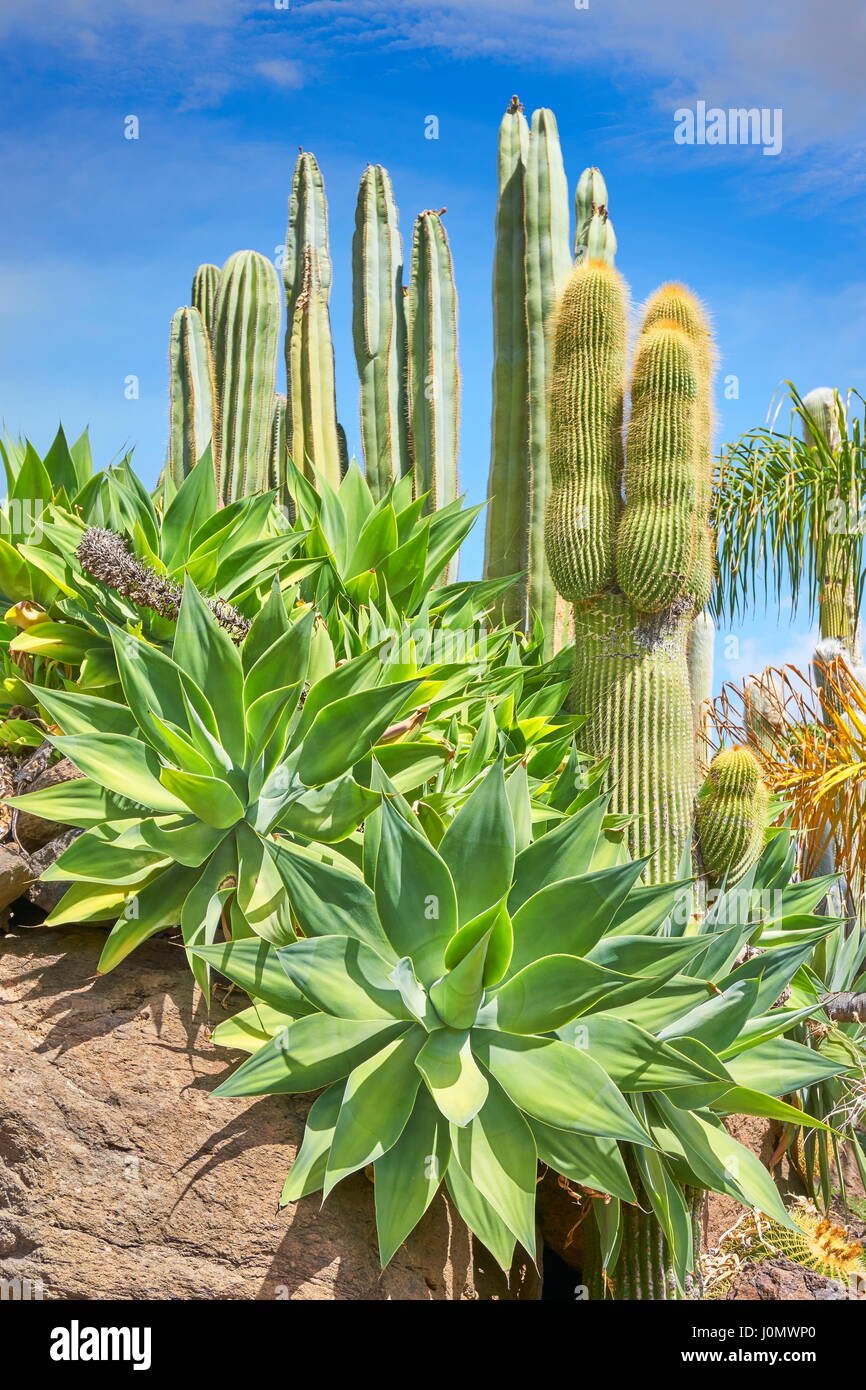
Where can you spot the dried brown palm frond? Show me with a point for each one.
(809, 732)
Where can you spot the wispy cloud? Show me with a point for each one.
(283, 72)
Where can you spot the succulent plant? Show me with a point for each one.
(433, 375)
(245, 344)
(732, 814)
(193, 412)
(475, 1007)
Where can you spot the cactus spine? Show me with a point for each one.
(311, 423)
(433, 374)
(732, 814)
(700, 652)
(245, 358)
(192, 396)
(508, 481)
(205, 285)
(548, 262)
(379, 330)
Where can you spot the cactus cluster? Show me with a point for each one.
(224, 392)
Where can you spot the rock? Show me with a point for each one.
(15, 874)
(120, 1177)
(782, 1281)
(32, 831)
(48, 895)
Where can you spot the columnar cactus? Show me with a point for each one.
(311, 423)
(838, 609)
(633, 567)
(700, 653)
(379, 330)
(532, 263)
(509, 478)
(205, 285)
(193, 427)
(433, 373)
(594, 237)
(732, 815)
(245, 358)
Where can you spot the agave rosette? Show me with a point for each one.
(474, 1008)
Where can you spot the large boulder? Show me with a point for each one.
(783, 1281)
(121, 1178)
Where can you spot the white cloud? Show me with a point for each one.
(283, 72)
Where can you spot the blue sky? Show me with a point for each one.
(100, 235)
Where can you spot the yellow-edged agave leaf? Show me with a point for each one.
(454, 1079)
(379, 1098)
(414, 895)
(497, 1153)
(249, 1029)
(478, 847)
(742, 1101)
(254, 965)
(87, 902)
(121, 764)
(77, 713)
(570, 917)
(344, 732)
(95, 857)
(81, 803)
(307, 1173)
(408, 1176)
(585, 1158)
(344, 977)
(155, 906)
(209, 798)
(557, 1084)
(58, 642)
(310, 1054)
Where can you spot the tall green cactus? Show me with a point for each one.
(629, 565)
(532, 261)
(205, 286)
(594, 237)
(379, 330)
(700, 652)
(193, 426)
(732, 815)
(311, 416)
(433, 373)
(245, 357)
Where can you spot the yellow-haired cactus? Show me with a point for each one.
(585, 408)
(732, 814)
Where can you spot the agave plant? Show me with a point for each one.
(507, 998)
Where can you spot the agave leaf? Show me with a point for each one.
(571, 916)
(717, 1021)
(408, 1176)
(646, 908)
(495, 924)
(379, 1098)
(564, 852)
(120, 764)
(80, 802)
(585, 1158)
(496, 1151)
(344, 977)
(557, 1084)
(328, 813)
(307, 1173)
(454, 1079)
(668, 1002)
(671, 1211)
(254, 965)
(96, 858)
(774, 970)
(196, 497)
(157, 905)
(742, 1101)
(328, 901)
(312, 1053)
(209, 798)
(182, 838)
(207, 654)
(344, 732)
(87, 902)
(261, 892)
(632, 1057)
(457, 995)
(415, 895)
(479, 1215)
(76, 713)
(478, 847)
(248, 1030)
(656, 957)
(779, 1066)
(551, 992)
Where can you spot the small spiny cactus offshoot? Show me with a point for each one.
(732, 813)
